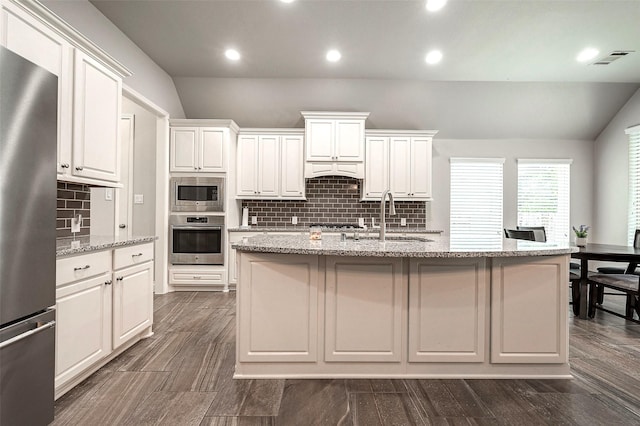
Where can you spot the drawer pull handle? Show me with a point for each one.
(136, 255)
(196, 277)
(81, 268)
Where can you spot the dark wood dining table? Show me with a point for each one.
(602, 252)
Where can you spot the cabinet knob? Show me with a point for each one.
(119, 278)
(64, 165)
(108, 282)
(199, 168)
(122, 226)
(195, 168)
(79, 168)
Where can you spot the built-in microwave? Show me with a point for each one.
(197, 194)
(196, 239)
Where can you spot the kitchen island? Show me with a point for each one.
(414, 307)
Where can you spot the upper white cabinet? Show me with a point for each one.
(270, 164)
(89, 89)
(334, 143)
(96, 120)
(200, 146)
(399, 161)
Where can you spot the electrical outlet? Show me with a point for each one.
(294, 220)
(254, 220)
(108, 194)
(403, 221)
(361, 222)
(138, 199)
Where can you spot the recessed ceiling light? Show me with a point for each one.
(587, 54)
(433, 57)
(333, 55)
(232, 54)
(435, 5)
(287, 1)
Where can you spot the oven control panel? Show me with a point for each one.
(197, 219)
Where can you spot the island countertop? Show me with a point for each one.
(434, 246)
(88, 243)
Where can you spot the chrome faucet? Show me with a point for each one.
(392, 212)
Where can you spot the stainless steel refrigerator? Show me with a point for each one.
(28, 136)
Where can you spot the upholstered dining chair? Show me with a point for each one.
(619, 269)
(519, 235)
(539, 232)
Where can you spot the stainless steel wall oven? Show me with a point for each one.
(196, 239)
(197, 194)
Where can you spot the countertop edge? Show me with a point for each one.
(105, 245)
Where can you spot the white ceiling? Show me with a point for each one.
(509, 40)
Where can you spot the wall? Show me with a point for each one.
(73, 199)
(581, 173)
(148, 78)
(332, 199)
(459, 110)
(611, 167)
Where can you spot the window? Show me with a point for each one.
(634, 182)
(543, 197)
(476, 203)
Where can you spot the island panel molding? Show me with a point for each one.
(529, 300)
(362, 295)
(448, 310)
(279, 322)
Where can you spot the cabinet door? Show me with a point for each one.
(421, 168)
(291, 167)
(452, 292)
(96, 120)
(364, 303)
(268, 166)
(349, 140)
(184, 149)
(529, 312)
(320, 138)
(132, 302)
(400, 166)
(212, 150)
(37, 43)
(83, 326)
(376, 174)
(247, 179)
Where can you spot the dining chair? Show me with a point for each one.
(619, 269)
(539, 232)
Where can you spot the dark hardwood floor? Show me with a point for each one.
(183, 376)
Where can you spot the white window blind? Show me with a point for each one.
(634, 182)
(476, 203)
(543, 197)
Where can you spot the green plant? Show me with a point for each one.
(582, 231)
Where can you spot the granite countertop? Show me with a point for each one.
(434, 246)
(89, 243)
(395, 230)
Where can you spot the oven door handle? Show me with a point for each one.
(213, 228)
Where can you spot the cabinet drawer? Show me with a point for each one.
(70, 269)
(134, 255)
(195, 277)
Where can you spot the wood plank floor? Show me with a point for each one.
(183, 376)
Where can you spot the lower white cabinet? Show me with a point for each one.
(194, 275)
(100, 312)
(83, 326)
(132, 302)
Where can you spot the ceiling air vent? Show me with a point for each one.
(613, 56)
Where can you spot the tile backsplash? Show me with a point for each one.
(332, 199)
(73, 198)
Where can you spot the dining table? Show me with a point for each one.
(601, 252)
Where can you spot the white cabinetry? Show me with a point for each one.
(99, 312)
(96, 120)
(400, 161)
(270, 164)
(89, 90)
(198, 149)
(334, 143)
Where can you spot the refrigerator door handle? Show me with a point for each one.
(27, 334)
